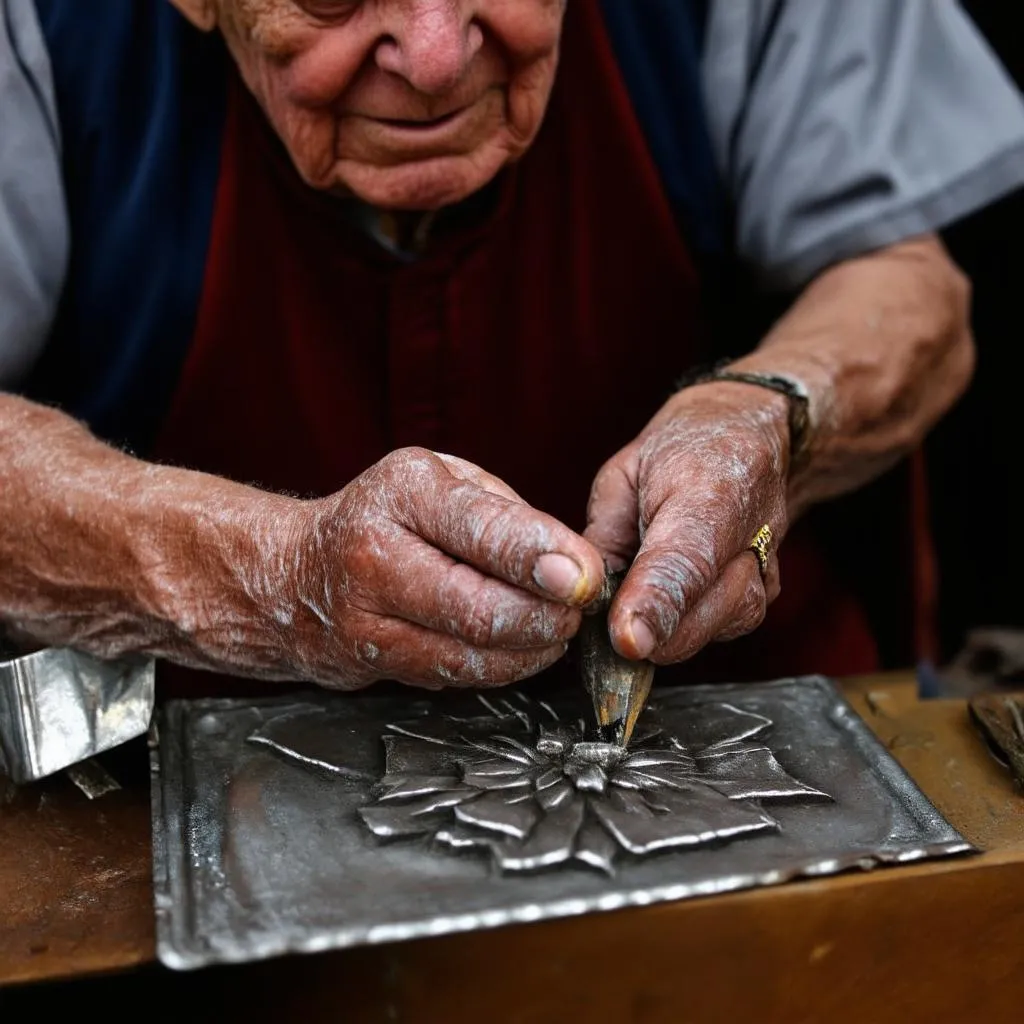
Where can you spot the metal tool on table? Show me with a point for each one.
(619, 687)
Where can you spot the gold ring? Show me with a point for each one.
(760, 545)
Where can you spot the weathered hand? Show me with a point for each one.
(686, 498)
(428, 570)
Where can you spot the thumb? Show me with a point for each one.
(613, 512)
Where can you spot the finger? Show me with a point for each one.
(733, 606)
(412, 654)
(613, 515)
(680, 560)
(428, 587)
(684, 552)
(501, 537)
(749, 618)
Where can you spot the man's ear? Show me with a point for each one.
(202, 13)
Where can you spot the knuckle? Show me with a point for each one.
(508, 541)
(547, 623)
(514, 623)
(460, 668)
(388, 467)
(402, 478)
(473, 668)
(749, 612)
(657, 493)
(479, 621)
(610, 479)
(367, 656)
(753, 608)
(412, 458)
(672, 584)
(556, 623)
(368, 653)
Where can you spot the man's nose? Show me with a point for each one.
(431, 43)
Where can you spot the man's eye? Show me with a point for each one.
(329, 10)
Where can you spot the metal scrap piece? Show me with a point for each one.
(59, 707)
(93, 779)
(1000, 717)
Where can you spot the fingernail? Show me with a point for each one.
(560, 576)
(642, 636)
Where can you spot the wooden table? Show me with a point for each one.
(940, 941)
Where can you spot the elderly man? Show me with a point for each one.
(321, 319)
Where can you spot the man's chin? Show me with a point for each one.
(420, 185)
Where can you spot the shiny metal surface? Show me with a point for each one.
(59, 707)
(296, 826)
(522, 783)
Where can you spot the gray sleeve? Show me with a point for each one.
(33, 218)
(841, 126)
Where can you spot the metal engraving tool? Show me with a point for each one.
(618, 687)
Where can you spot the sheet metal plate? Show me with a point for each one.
(59, 707)
(257, 854)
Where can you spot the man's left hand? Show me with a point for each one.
(687, 498)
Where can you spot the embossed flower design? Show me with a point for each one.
(521, 782)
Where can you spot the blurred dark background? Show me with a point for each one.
(975, 454)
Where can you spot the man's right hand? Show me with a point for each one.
(424, 569)
(430, 571)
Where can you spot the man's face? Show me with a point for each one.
(408, 104)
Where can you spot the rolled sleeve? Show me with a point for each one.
(842, 127)
(33, 217)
